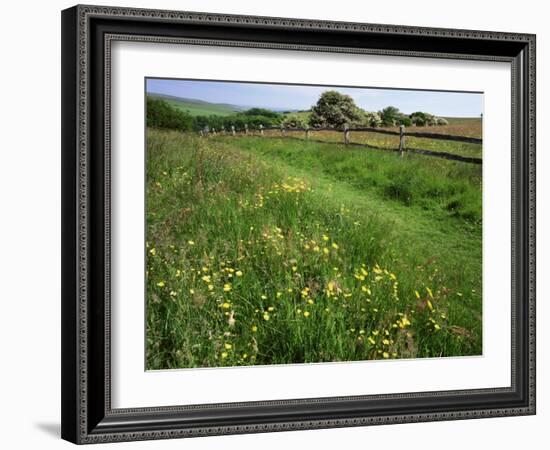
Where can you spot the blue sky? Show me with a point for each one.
(291, 97)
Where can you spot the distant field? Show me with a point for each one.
(200, 108)
(460, 126)
(277, 251)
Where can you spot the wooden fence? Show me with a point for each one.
(346, 138)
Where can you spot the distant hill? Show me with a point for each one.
(197, 107)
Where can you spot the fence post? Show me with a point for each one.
(282, 130)
(402, 139)
(200, 133)
(245, 128)
(261, 129)
(307, 133)
(346, 134)
(233, 130)
(213, 132)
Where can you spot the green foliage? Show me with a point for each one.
(392, 117)
(161, 115)
(371, 119)
(334, 109)
(239, 120)
(262, 112)
(294, 121)
(421, 119)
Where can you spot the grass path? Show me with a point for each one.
(428, 236)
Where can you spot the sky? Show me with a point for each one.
(301, 97)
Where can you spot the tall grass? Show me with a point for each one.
(265, 251)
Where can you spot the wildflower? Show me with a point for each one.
(437, 327)
(279, 294)
(191, 291)
(228, 346)
(386, 355)
(254, 328)
(206, 278)
(325, 237)
(245, 355)
(224, 355)
(371, 340)
(210, 287)
(239, 273)
(266, 316)
(226, 287)
(417, 294)
(153, 251)
(173, 293)
(306, 313)
(326, 251)
(429, 303)
(264, 297)
(178, 273)
(161, 284)
(226, 305)
(271, 308)
(363, 271)
(310, 301)
(386, 342)
(430, 292)
(191, 242)
(335, 246)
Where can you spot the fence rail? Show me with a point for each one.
(347, 139)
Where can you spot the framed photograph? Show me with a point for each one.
(281, 224)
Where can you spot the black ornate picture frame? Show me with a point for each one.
(87, 35)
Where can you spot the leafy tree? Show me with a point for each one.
(294, 121)
(390, 116)
(334, 109)
(370, 119)
(262, 112)
(421, 119)
(161, 114)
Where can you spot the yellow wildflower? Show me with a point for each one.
(226, 287)
(306, 313)
(161, 284)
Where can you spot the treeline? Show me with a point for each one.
(333, 109)
(161, 114)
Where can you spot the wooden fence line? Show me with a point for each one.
(420, 134)
(347, 140)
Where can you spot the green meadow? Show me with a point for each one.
(268, 250)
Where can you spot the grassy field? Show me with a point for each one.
(201, 108)
(391, 142)
(275, 251)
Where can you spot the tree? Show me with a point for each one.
(161, 114)
(334, 109)
(294, 121)
(390, 116)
